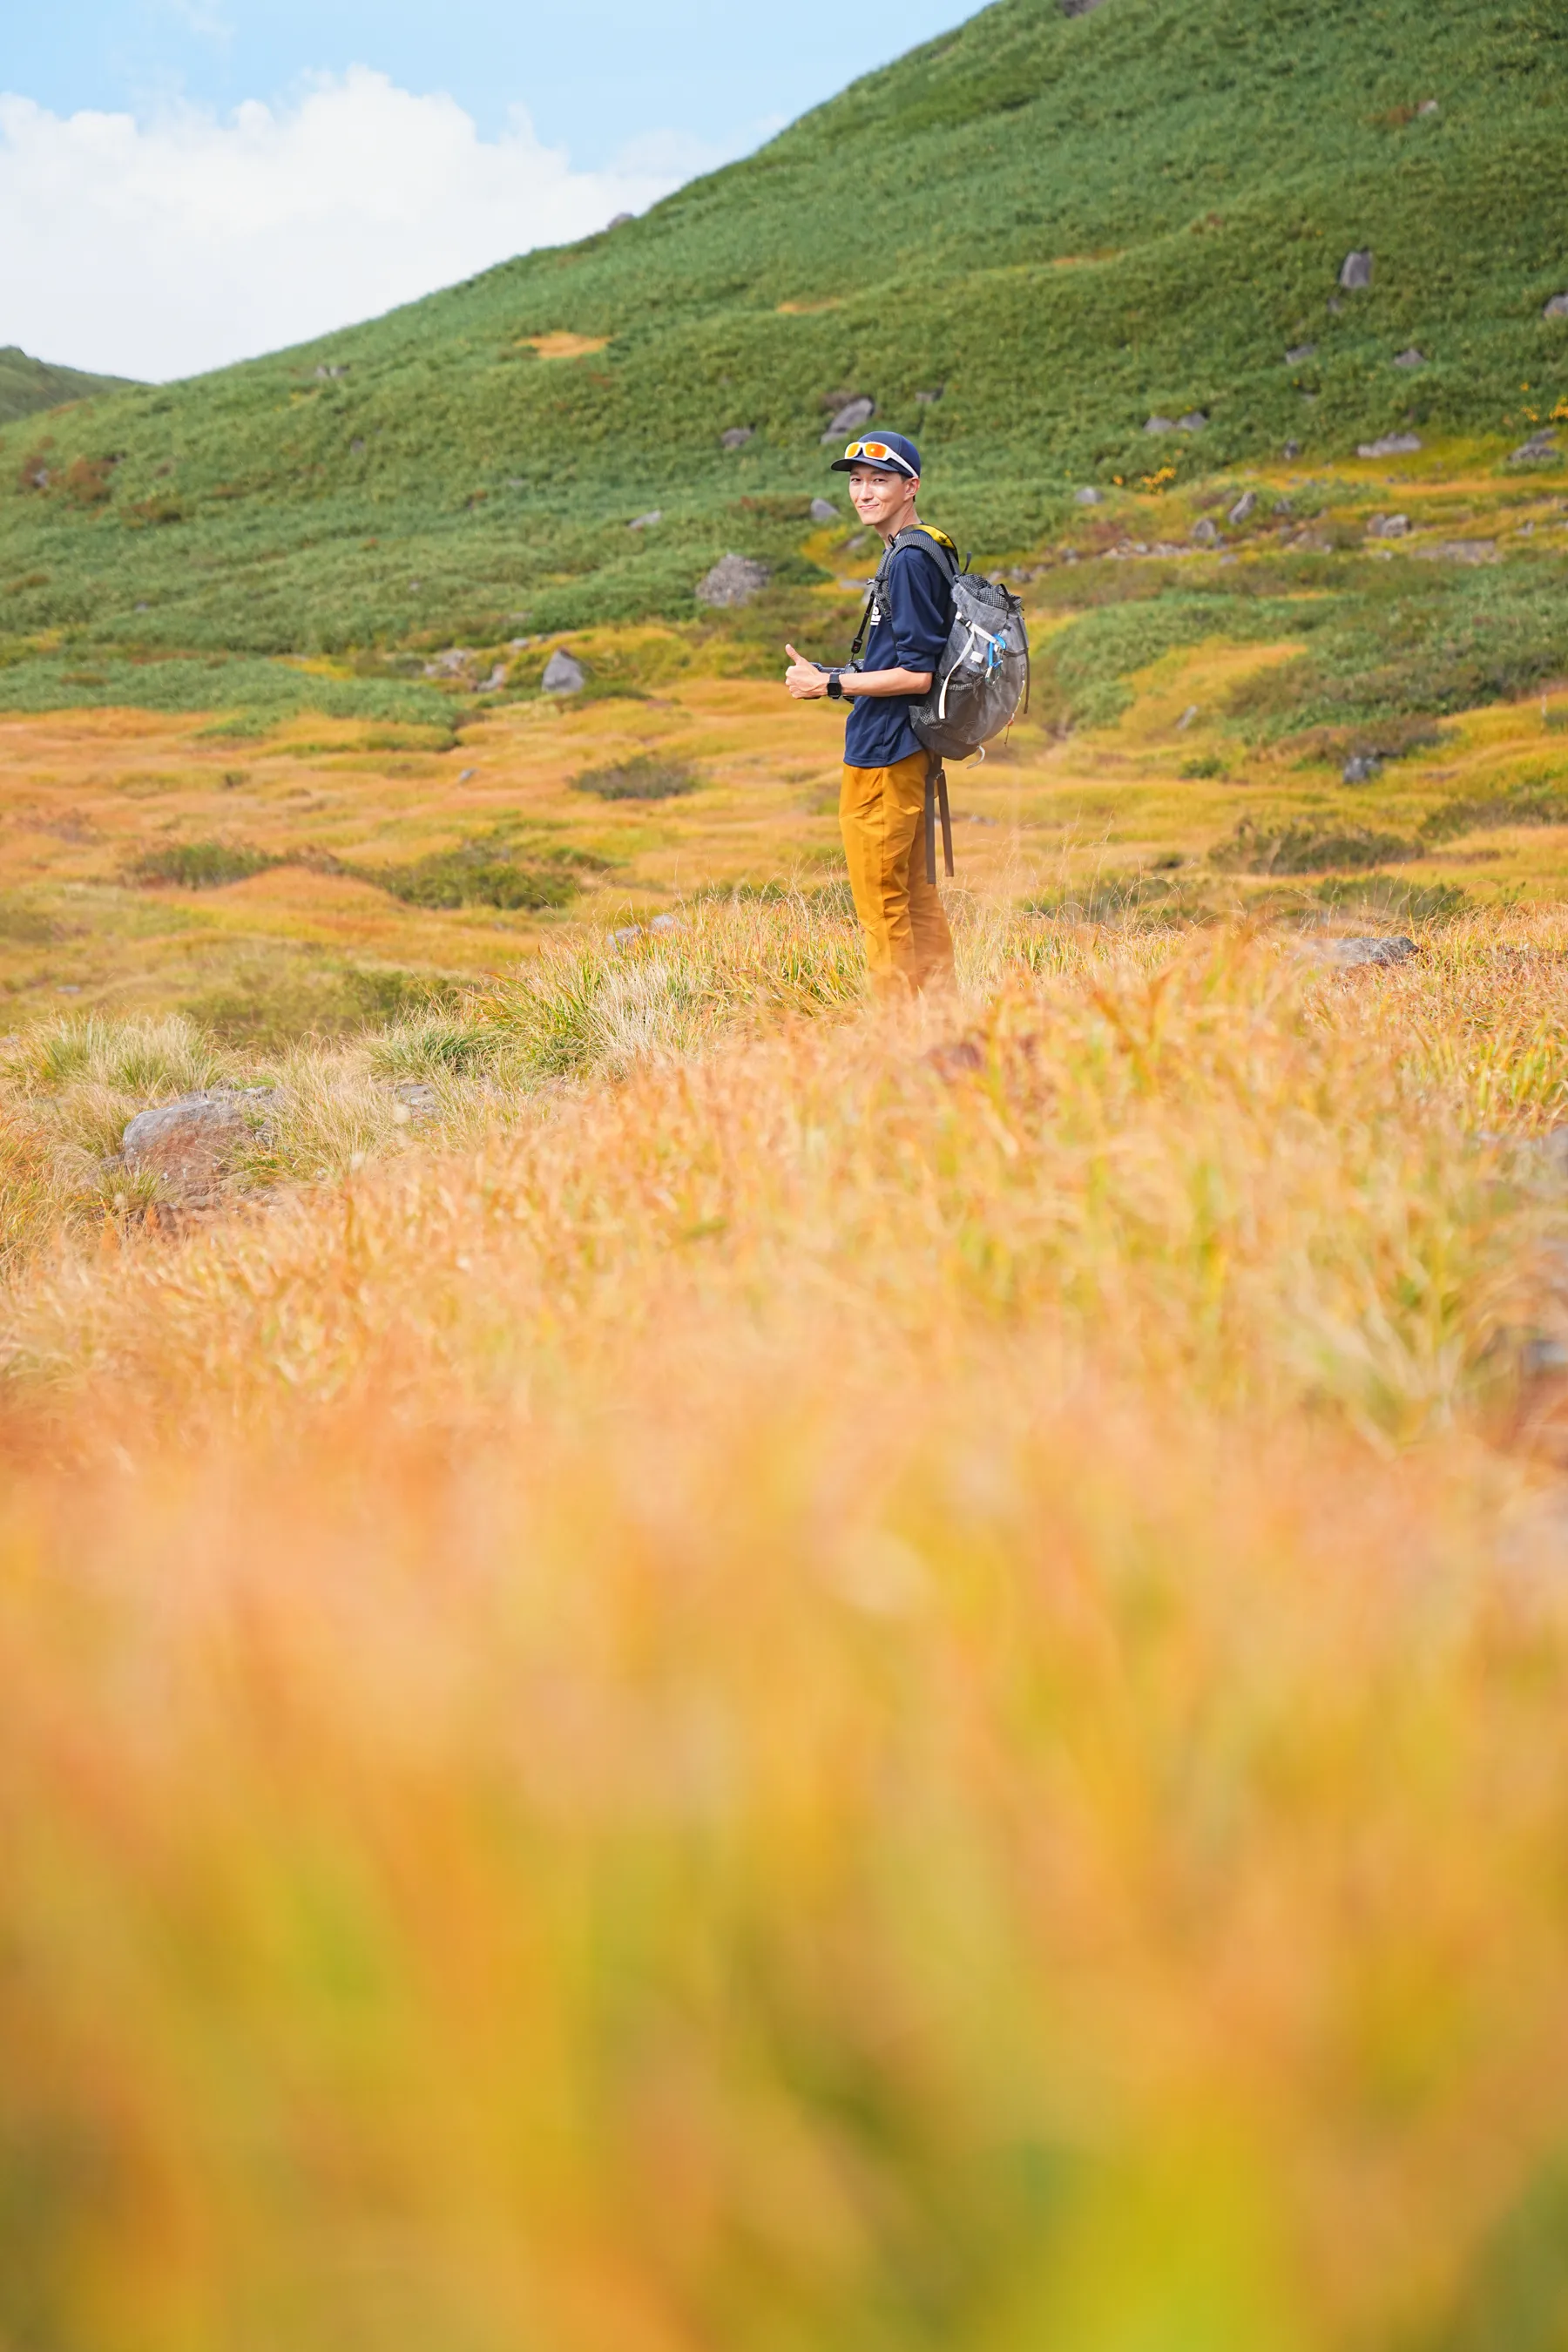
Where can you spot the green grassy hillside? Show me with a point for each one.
(1058, 224)
(28, 385)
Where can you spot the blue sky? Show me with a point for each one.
(595, 75)
(187, 182)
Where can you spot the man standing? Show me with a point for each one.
(881, 805)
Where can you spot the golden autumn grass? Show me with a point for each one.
(818, 1680)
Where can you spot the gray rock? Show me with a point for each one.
(331, 374)
(646, 521)
(419, 1099)
(620, 220)
(1362, 767)
(1334, 307)
(1557, 307)
(356, 447)
(1428, 106)
(734, 579)
(188, 1142)
(1186, 719)
(1160, 424)
(1089, 498)
(1079, 7)
(1299, 352)
(1461, 551)
(824, 511)
(1245, 508)
(1350, 953)
(1292, 450)
(563, 674)
(665, 923)
(1397, 525)
(1393, 445)
(625, 938)
(1410, 357)
(850, 418)
(737, 437)
(1539, 447)
(1283, 507)
(1205, 532)
(930, 399)
(1355, 271)
(1195, 421)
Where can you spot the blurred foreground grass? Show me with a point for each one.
(809, 1681)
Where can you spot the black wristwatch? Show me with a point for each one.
(835, 686)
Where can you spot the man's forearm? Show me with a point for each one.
(885, 681)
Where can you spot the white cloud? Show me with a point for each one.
(164, 249)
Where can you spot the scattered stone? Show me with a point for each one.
(734, 579)
(1461, 551)
(737, 437)
(1334, 307)
(665, 923)
(1245, 508)
(331, 374)
(1089, 498)
(356, 447)
(1292, 450)
(1428, 106)
(930, 399)
(563, 674)
(1351, 953)
(620, 220)
(1388, 526)
(1362, 767)
(624, 938)
(1079, 7)
(1355, 271)
(1160, 424)
(1186, 719)
(1410, 357)
(188, 1142)
(416, 1100)
(1284, 507)
(646, 521)
(495, 680)
(452, 663)
(1540, 446)
(1393, 445)
(1557, 307)
(1195, 421)
(467, 775)
(1299, 352)
(1205, 532)
(850, 418)
(824, 511)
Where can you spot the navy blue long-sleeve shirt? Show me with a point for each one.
(910, 628)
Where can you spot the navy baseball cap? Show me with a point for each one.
(886, 453)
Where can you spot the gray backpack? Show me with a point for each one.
(981, 680)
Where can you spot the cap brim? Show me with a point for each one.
(847, 466)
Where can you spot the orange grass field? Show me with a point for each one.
(785, 1679)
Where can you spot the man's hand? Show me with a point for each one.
(805, 681)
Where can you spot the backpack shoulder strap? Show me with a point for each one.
(935, 543)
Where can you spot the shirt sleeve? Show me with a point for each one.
(920, 606)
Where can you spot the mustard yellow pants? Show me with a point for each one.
(881, 816)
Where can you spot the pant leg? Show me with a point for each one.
(881, 816)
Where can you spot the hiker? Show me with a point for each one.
(882, 801)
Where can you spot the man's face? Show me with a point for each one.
(877, 497)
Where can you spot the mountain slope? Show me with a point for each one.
(1060, 223)
(28, 385)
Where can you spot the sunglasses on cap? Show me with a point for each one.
(877, 453)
